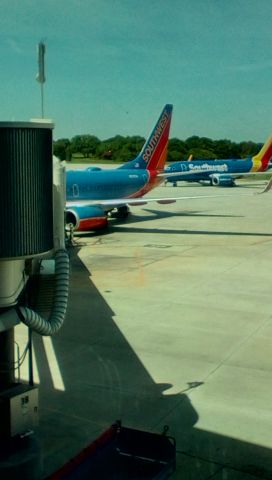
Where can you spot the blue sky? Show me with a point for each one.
(111, 65)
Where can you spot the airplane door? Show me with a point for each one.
(75, 190)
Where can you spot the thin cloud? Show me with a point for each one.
(14, 45)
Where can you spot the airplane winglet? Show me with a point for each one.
(267, 188)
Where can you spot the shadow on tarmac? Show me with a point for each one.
(127, 225)
(158, 214)
(190, 232)
(104, 380)
(190, 213)
(117, 225)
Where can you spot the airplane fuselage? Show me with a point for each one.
(91, 184)
(210, 167)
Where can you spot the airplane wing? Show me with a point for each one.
(245, 174)
(166, 174)
(115, 203)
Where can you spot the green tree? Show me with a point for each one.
(177, 150)
(199, 153)
(110, 147)
(226, 149)
(206, 143)
(85, 144)
(134, 145)
(61, 148)
(248, 149)
(192, 142)
(120, 148)
(123, 149)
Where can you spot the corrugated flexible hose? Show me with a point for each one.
(53, 324)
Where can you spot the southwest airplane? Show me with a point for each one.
(222, 172)
(92, 193)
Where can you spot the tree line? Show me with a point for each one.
(122, 149)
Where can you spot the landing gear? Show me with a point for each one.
(120, 212)
(69, 234)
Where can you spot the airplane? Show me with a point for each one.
(106, 187)
(92, 194)
(222, 172)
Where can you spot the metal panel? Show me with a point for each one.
(26, 190)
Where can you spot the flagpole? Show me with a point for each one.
(42, 100)
(40, 77)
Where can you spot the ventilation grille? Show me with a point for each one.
(26, 198)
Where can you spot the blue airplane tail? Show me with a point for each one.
(154, 152)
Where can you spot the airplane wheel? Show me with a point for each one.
(121, 212)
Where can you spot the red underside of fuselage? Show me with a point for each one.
(92, 223)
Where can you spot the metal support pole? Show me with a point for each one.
(30, 359)
(42, 100)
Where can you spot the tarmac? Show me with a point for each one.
(169, 323)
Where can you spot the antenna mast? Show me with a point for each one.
(40, 77)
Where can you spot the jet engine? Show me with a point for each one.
(85, 218)
(222, 180)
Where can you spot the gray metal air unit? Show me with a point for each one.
(26, 189)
